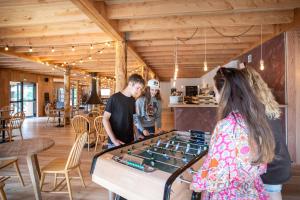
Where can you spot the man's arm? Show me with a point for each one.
(108, 129)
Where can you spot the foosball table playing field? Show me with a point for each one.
(156, 168)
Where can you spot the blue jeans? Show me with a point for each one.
(150, 129)
(272, 188)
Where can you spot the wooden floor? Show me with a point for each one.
(64, 138)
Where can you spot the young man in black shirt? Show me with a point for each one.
(118, 115)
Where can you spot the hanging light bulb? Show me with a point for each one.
(55, 66)
(47, 63)
(100, 52)
(107, 44)
(81, 61)
(30, 49)
(73, 48)
(205, 62)
(174, 83)
(91, 46)
(6, 48)
(90, 57)
(52, 50)
(261, 62)
(73, 63)
(205, 66)
(52, 69)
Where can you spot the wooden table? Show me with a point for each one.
(28, 148)
(4, 120)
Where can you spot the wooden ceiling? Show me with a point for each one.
(151, 27)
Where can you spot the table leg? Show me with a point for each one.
(37, 165)
(34, 176)
(3, 131)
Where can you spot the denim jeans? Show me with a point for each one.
(272, 188)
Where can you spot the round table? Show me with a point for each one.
(28, 148)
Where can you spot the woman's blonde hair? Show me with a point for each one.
(263, 93)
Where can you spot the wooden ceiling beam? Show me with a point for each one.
(193, 7)
(96, 11)
(75, 39)
(191, 52)
(218, 40)
(52, 29)
(58, 12)
(186, 33)
(234, 19)
(219, 47)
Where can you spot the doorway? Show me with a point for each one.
(23, 97)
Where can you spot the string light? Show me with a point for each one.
(6, 48)
(261, 62)
(52, 50)
(73, 48)
(91, 46)
(81, 61)
(30, 49)
(90, 57)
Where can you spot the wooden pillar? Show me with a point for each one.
(293, 94)
(120, 66)
(67, 114)
(99, 86)
(145, 73)
(78, 95)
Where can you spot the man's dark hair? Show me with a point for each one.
(136, 78)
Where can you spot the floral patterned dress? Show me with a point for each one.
(227, 172)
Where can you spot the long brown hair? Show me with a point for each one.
(237, 95)
(147, 95)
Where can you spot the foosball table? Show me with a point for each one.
(156, 168)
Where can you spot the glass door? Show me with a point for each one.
(23, 98)
(29, 100)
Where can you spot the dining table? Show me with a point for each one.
(28, 148)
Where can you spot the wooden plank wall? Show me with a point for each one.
(7, 75)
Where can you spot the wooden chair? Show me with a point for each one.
(50, 113)
(5, 162)
(16, 122)
(65, 166)
(94, 113)
(2, 184)
(9, 109)
(81, 125)
(100, 131)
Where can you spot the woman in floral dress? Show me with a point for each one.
(241, 145)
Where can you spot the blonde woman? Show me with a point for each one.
(279, 170)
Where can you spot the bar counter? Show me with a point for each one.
(204, 116)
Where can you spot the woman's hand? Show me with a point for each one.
(146, 133)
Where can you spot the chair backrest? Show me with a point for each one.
(94, 113)
(74, 156)
(47, 109)
(80, 124)
(98, 125)
(16, 121)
